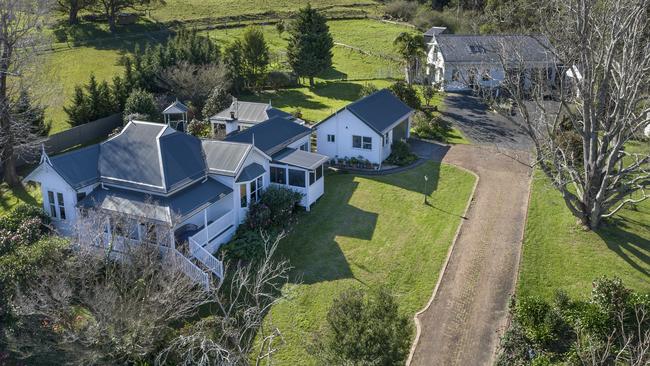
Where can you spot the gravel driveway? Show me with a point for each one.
(460, 325)
(482, 126)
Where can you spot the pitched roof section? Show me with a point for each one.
(250, 172)
(271, 136)
(182, 159)
(78, 167)
(433, 32)
(176, 108)
(474, 48)
(379, 110)
(299, 158)
(172, 209)
(133, 156)
(250, 112)
(224, 157)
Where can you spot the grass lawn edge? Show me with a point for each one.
(416, 320)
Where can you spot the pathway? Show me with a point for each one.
(460, 325)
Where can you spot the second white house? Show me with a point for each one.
(365, 129)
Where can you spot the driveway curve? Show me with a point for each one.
(461, 323)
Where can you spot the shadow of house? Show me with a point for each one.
(631, 247)
(313, 248)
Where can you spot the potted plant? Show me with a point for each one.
(353, 161)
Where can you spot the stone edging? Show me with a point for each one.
(418, 326)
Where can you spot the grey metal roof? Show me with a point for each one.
(379, 110)
(176, 108)
(299, 158)
(250, 172)
(182, 159)
(250, 112)
(433, 32)
(132, 157)
(224, 157)
(172, 209)
(489, 48)
(78, 167)
(272, 135)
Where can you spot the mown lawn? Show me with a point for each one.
(558, 254)
(198, 9)
(71, 64)
(365, 232)
(9, 198)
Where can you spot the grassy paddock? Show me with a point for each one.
(364, 232)
(559, 254)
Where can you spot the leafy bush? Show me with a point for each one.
(281, 203)
(259, 216)
(401, 9)
(425, 127)
(199, 128)
(364, 329)
(407, 94)
(247, 245)
(24, 225)
(143, 103)
(367, 89)
(401, 154)
(567, 331)
(281, 80)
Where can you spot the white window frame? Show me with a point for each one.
(364, 145)
(331, 138)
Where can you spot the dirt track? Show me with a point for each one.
(460, 326)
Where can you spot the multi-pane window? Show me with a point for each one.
(296, 178)
(386, 138)
(278, 175)
(331, 138)
(50, 199)
(59, 197)
(256, 189)
(242, 195)
(362, 142)
(315, 175)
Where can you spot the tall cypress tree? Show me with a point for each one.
(310, 44)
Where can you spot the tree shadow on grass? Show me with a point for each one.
(338, 90)
(312, 247)
(332, 74)
(287, 99)
(628, 245)
(10, 197)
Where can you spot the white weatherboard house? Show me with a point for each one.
(366, 128)
(242, 115)
(465, 62)
(195, 190)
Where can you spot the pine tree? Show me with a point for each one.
(256, 56)
(310, 44)
(79, 111)
(34, 115)
(234, 61)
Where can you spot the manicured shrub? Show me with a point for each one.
(281, 203)
(142, 103)
(247, 245)
(364, 329)
(401, 154)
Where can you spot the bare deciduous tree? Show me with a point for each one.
(123, 302)
(602, 101)
(21, 25)
(193, 82)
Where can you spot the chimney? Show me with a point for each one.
(232, 114)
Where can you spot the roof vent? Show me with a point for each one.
(232, 114)
(476, 49)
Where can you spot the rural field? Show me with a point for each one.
(569, 258)
(70, 64)
(365, 232)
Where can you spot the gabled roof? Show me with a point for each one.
(250, 172)
(433, 32)
(79, 167)
(250, 112)
(489, 48)
(302, 159)
(379, 110)
(176, 108)
(225, 157)
(182, 159)
(272, 135)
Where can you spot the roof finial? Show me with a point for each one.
(44, 157)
